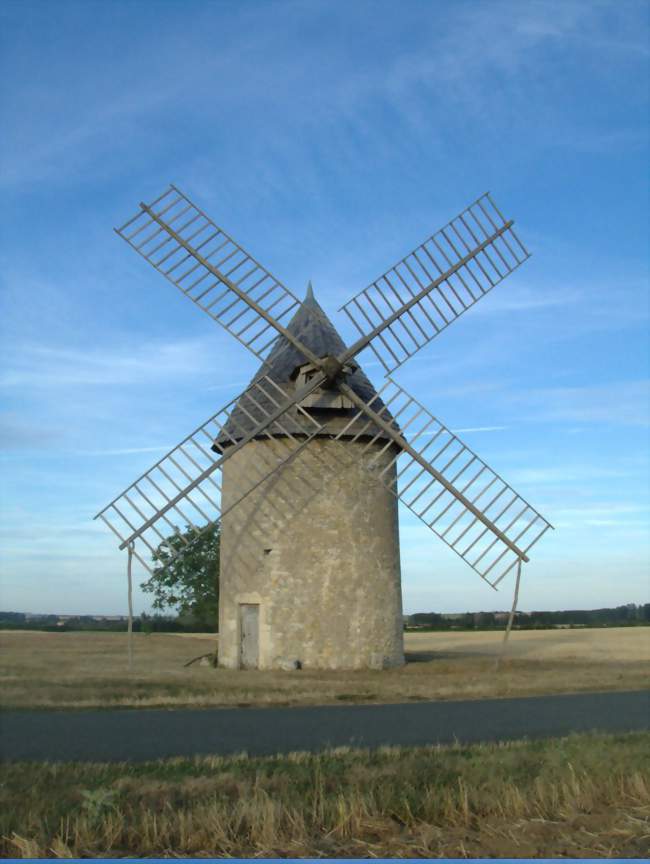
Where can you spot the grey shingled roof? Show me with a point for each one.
(311, 325)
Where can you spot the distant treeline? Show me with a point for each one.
(618, 616)
(116, 623)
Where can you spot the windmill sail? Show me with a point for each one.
(183, 488)
(448, 487)
(211, 269)
(422, 294)
(442, 481)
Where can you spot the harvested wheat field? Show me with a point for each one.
(89, 670)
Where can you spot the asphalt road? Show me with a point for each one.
(139, 735)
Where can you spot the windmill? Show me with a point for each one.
(306, 466)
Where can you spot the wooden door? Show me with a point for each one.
(249, 628)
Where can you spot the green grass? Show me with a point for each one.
(581, 796)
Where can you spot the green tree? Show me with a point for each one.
(189, 583)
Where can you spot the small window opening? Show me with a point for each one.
(268, 551)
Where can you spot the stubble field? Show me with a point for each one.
(89, 670)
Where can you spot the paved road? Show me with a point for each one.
(138, 735)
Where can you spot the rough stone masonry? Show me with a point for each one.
(310, 566)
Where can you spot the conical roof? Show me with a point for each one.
(314, 329)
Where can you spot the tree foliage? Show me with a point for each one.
(190, 583)
(618, 616)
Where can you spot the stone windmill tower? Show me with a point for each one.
(306, 466)
(321, 586)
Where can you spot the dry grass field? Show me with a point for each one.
(89, 670)
(584, 796)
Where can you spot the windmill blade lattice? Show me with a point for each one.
(414, 301)
(211, 269)
(454, 492)
(183, 487)
(446, 485)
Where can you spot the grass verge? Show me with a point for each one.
(581, 796)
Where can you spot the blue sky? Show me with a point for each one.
(329, 138)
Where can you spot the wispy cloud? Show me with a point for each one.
(612, 515)
(625, 403)
(124, 451)
(526, 298)
(570, 474)
(18, 432)
(480, 429)
(228, 385)
(451, 57)
(40, 367)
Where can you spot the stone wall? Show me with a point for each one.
(317, 547)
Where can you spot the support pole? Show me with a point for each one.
(511, 618)
(130, 624)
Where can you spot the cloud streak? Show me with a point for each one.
(624, 403)
(480, 429)
(125, 451)
(38, 367)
